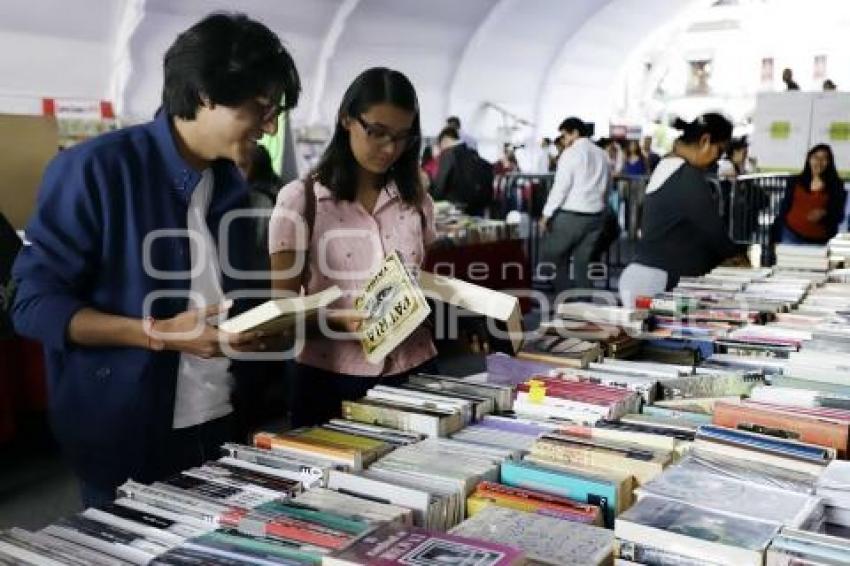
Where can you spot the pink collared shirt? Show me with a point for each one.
(347, 246)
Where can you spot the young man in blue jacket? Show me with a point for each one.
(132, 252)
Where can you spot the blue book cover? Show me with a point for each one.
(764, 443)
(594, 491)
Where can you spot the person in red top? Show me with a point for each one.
(813, 207)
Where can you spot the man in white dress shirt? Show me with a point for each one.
(573, 215)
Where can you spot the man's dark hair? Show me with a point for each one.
(448, 132)
(337, 168)
(573, 124)
(453, 122)
(717, 126)
(227, 59)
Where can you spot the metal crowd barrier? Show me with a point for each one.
(754, 203)
(747, 205)
(527, 195)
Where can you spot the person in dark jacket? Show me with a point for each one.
(138, 385)
(461, 177)
(813, 206)
(682, 233)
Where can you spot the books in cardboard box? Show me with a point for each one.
(541, 538)
(393, 305)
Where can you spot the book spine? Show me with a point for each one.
(802, 428)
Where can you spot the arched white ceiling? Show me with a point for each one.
(582, 79)
(506, 61)
(539, 59)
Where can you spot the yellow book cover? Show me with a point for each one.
(309, 446)
(394, 306)
(343, 439)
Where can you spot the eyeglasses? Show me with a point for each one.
(381, 136)
(266, 111)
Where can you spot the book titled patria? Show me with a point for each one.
(393, 306)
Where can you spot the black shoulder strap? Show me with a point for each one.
(310, 219)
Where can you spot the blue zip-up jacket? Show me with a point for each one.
(111, 407)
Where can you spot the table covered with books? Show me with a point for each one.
(558, 455)
(489, 253)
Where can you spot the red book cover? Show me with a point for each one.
(779, 421)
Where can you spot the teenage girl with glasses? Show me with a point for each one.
(363, 201)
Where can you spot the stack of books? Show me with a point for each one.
(839, 248)
(560, 351)
(802, 257)
(829, 428)
(563, 448)
(573, 401)
(411, 410)
(447, 469)
(505, 432)
(666, 531)
(543, 539)
(834, 487)
(453, 225)
(488, 494)
(614, 329)
(793, 546)
(392, 544)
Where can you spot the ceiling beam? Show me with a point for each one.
(477, 38)
(326, 53)
(129, 19)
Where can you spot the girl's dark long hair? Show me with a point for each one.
(831, 180)
(337, 168)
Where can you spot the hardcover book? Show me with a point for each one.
(278, 314)
(393, 305)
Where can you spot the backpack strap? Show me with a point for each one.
(310, 219)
